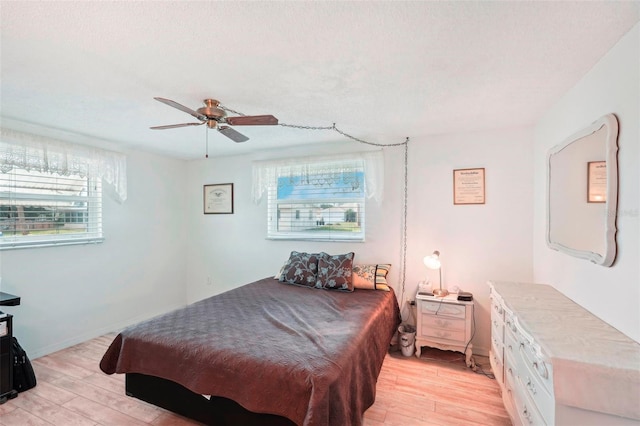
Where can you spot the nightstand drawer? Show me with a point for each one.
(444, 322)
(445, 334)
(442, 309)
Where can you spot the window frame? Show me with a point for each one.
(274, 213)
(94, 209)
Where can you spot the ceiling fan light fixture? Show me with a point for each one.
(211, 110)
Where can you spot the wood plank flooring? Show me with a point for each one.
(435, 390)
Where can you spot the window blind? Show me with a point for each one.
(322, 201)
(40, 209)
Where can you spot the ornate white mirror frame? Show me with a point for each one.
(573, 217)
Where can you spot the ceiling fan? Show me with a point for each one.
(212, 114)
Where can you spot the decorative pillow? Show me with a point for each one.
(280, 271)
(371, 277)
(334, 272)
(301, 268)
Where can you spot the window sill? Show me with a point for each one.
(35, 244)
(336, 238)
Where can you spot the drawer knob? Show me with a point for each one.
(531, 386)
(527, 415)
(541, 369)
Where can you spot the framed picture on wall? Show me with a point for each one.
(218, 198)
(597, 182)
(468, 186)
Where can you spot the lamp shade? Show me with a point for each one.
(432, 261)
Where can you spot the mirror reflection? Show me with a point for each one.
(582, 193)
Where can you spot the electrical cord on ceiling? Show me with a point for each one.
(403, 268)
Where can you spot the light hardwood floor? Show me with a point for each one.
(435, 390)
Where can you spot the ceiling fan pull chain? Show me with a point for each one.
(206, 155)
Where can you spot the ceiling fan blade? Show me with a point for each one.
(183, 108)
(173, 126)
(232, 134)
(252, 120)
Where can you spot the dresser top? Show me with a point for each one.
(595, 366)
(566, 330)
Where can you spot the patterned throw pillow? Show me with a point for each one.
(371, 277)
(334, 272)
(301, 269)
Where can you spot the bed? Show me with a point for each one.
(264, 353)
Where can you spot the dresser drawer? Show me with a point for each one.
(537, 367)
(497, 347)
(511, 348)
(509, 376)
(497, 329)
(525, 408)
(442, 309)
(497, 311)
(496, 363)
(510, 324)
(536, 391)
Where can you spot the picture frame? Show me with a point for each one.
(218, 198)
(597, 182)
(469, 186)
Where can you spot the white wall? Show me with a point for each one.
(477, 243)
(612, 86)
(232, 249)
(70, 294)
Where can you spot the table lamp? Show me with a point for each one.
(433, 262)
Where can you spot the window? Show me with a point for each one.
(326, 201)
(39, 208)
(51, 190)
(319, 197)
(320, 206)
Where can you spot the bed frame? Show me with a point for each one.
(216, 411)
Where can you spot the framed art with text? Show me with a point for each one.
(468, 186)
(218, 198)
(597, 182)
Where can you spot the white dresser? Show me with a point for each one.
(557, 363)
(444, 323)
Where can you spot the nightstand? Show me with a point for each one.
(444, 323)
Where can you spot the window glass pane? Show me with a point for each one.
(327, 205)
(44, 209)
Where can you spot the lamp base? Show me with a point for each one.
(440, 292)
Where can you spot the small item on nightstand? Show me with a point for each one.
(425, 293)
(466, 296)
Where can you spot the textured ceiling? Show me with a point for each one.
(381, 71)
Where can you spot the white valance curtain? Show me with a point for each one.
(265, 173)
(46, 155)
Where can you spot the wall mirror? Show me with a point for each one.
(582, 188)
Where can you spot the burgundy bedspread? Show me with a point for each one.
(310, 355)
